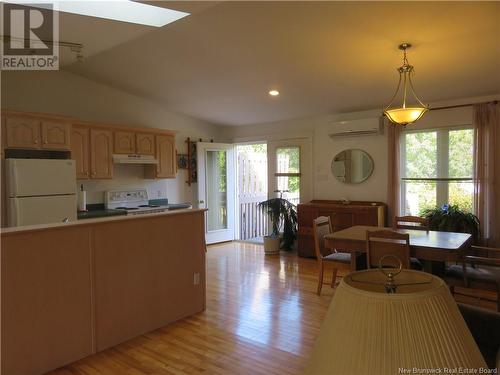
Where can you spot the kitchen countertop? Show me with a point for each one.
(97, 210)
(92, 214)
(96, 220)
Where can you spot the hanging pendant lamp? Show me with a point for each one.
(405, 113)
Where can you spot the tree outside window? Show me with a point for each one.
(288, 172)
(437, 169)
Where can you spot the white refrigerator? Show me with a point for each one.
(40, 191)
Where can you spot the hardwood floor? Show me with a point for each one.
(262, 317)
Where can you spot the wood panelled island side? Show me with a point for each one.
(70, 290)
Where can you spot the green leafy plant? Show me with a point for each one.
(450, 218)
(283, 215)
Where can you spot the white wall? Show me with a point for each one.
(325, 149)
(325, 186)
(63, 93)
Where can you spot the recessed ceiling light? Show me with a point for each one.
(274, 92)
(118, 10)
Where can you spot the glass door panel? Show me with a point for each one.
(216, 190)
(216, 183)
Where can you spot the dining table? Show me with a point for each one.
(427, 246)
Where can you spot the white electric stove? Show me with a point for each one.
(134, 202)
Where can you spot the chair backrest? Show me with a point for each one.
(485, 252)
(321, 227)
(387, 242)
(481, 255)
(410, 222)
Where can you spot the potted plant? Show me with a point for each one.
(283, 215)
(450, 218)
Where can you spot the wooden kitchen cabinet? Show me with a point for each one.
(101, 153)
(165, 153)
(80, 151)
(56, 135)
(145, 143)
(124, 142)
(91, 144)
(22, 132)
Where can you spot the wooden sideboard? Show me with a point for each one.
(341, 215)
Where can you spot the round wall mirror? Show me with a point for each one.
(352, 166)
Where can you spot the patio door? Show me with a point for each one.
(216, 190)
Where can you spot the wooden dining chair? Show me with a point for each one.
(387, 242)
(321, 227)
(410, 222)
(479, 268)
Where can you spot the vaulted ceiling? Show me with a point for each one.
(219, 63)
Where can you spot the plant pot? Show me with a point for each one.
(272, 245)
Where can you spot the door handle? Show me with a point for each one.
(201, 202)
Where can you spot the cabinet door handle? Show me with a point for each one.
(36, 141)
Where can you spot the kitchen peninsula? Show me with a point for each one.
(73, 289)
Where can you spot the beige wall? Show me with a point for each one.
(325, 186)
(68, 94)
(64, 93)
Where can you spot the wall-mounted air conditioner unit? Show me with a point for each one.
(367, 126)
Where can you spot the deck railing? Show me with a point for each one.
(253, 222)
(252, 189)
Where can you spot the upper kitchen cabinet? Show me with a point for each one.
(101, 153)
(36, 131)
(80, 150)
(124, 142)
(145, 143)
(56, 135)
(165, 153)
(92, 144)
(22, 132)
(130, 142)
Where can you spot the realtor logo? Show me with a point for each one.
(30, 37)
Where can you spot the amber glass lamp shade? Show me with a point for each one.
(405, 116)
(405, 113)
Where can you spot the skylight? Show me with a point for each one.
(118, 10)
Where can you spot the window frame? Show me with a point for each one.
(287, 174)
(442, 160)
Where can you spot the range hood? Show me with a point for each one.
(134, 159)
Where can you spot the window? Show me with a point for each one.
(437, 169)
(288, 172)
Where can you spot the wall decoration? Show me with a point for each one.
(182, 161)
(192, 163)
